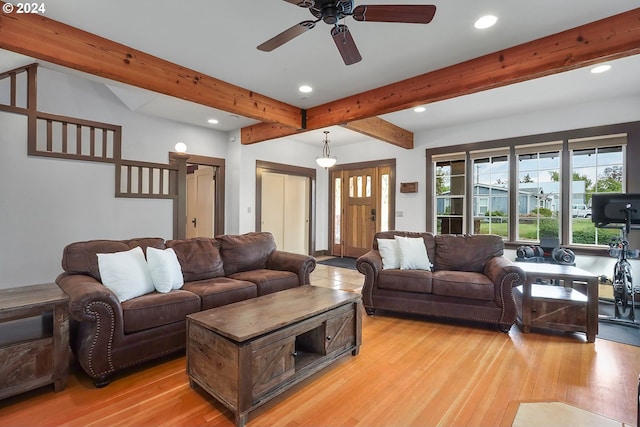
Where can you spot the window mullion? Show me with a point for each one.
(566, 181)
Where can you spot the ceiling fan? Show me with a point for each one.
(332, 11)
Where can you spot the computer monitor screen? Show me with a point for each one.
(613, 208)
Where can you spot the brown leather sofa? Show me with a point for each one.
(470, 279)
(107, 335)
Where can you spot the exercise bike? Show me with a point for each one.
(624, 293)
(620, 211)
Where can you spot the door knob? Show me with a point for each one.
(195, 222)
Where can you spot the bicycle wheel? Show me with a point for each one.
(628, 285)
(620, 292)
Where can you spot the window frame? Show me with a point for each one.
(631, 179)
(491, 157)
(448, 199)
(599, 148)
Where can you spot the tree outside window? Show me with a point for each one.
(596, 169)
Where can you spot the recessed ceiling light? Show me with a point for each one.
(213, 121)
(485, 22)
(419, 109)
(305, 89)
(601, 68)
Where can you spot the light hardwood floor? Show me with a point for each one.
(410, 372)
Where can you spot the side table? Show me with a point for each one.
(557, 307)
(34, 338)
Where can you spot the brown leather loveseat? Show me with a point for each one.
(108, 335)
(469, 279)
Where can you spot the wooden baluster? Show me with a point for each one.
(92, 141)
(161, 182)
(104, 143)
(150, 189)
(65, 136)
(14, 91)
(49, 135)
(140, 180)
(129, 179)
(78, 140)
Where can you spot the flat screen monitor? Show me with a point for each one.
(613, 208)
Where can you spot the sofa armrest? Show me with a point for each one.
(369, 264)
(96, 322)
(504, 274)
(300, 264)
(84, 292)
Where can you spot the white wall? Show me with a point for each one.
(612, 111)
(410, 164)
(47, 203)
(242, 159)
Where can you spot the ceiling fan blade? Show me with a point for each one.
(412, 14)
(345, 44)
(286, 35)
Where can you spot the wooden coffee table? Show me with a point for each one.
(245, 354)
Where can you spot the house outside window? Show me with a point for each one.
(539, 194)
(491, 192)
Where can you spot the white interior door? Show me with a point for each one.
(272, 211)
(200, 202)
(296, 214)
(191, 206)
(285, 210)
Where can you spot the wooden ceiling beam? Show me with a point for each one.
(265, 131)
(49, 40)
(383, 130)
(374, 127)
(43, 38)
(607, 39)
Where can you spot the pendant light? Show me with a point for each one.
(326, 161)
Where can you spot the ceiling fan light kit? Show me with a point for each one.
(332, 11)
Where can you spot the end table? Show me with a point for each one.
(557, 307)
(34, 338)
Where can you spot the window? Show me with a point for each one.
(597, 166)
(490, 193)
(384, 200)
(538, 190)
(532, 187)
(337, 210)
(450, 185)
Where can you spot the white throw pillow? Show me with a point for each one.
(413, 253)
(389, 252)
(165, 269)
(125, 273)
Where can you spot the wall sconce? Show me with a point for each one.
(181, 147)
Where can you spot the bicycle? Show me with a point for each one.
(623, 290)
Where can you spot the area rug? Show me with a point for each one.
(535, 414)
(341, 262)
